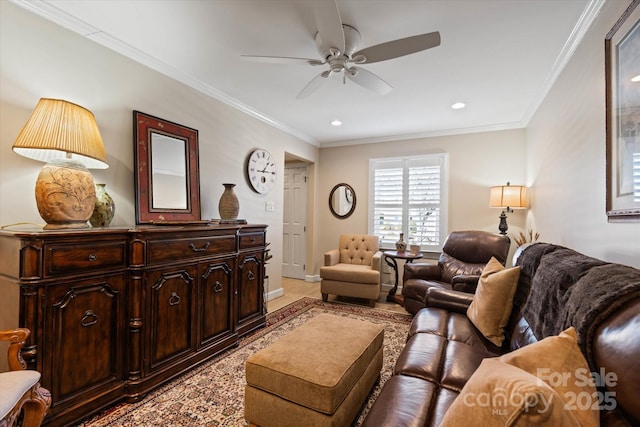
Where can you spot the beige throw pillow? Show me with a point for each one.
(493, 301)
(545, 383)
(499, 394)
(559, 362)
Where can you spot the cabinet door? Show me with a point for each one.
(83, 337)
(170, 320)
(250, 287)
(216, 287)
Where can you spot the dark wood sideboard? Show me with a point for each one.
(115, 312)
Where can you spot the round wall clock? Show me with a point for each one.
(261, 171)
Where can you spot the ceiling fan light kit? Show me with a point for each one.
(337, 42)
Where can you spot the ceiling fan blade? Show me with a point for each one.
(329, 23)
(281, 60)
(400, 47)
(368, 80)
(314, 84)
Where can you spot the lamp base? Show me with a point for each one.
(65, 194)
(503, 227)
(67, 226)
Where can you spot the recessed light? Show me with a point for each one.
(636, 78)
(336, 123)
(458, 105)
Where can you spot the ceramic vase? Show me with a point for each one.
(65, 194)
(228, 206)
(104, 208)
(401, 245)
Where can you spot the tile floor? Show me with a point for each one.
(295, 289)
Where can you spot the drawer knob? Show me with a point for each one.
(93, 257)
(89, 319)
(174, 299)
(202, 249)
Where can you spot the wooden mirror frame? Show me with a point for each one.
(144, 126)
(348, 190)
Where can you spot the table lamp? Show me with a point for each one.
(67, 138)
(508, 197)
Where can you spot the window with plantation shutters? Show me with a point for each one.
(409, 197)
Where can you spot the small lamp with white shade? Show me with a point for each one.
(507, 197)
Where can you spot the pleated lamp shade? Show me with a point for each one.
(59, 129)
(67, 138)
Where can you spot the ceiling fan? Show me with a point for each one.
(337, 43)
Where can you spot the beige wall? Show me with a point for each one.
(566, 156)
(563, 164)
(476, 162)
(561, 153)
(40, 59)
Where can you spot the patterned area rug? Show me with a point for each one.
(213, 393)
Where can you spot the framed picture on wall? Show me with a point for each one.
(622, 74)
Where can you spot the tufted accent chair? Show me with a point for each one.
(464, 255)
(352, 269)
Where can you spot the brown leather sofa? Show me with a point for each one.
(464, 255)
(557, 288)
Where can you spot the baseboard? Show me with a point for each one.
(275, 294)
(312, 278)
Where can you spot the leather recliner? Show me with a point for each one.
(464, 255)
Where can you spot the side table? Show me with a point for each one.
(391, 258)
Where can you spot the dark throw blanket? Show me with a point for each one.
(567, 288)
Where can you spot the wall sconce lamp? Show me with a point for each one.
(508, 197)
(67, 138)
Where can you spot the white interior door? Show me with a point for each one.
(294, 241)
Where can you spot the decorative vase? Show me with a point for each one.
(401, 245)
(228, 206)
(104, 208)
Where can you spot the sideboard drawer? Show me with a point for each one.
(163, 250)
(251, 240)
(80, 257)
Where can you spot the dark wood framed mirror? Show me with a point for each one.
(342, 201)
(167, 178)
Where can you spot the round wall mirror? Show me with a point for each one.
(342, 200)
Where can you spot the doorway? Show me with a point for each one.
(294, 229)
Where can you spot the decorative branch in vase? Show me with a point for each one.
(524, 239)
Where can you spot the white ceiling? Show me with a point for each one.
(498, 56)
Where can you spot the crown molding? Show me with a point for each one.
(422, 135)
(49, 11)
(587, 17)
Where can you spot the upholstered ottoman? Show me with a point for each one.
(317, 375)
